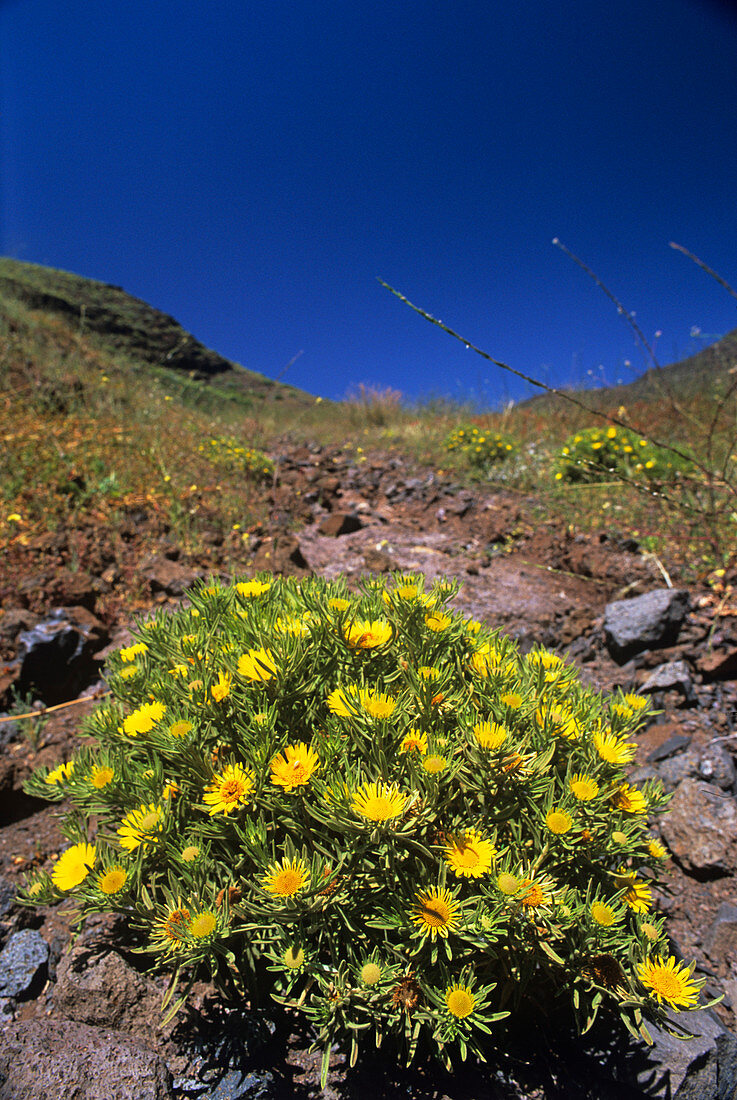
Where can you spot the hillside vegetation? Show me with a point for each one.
(106, 401)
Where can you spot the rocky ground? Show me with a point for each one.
(85, 1022)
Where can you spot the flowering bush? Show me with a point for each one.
(228, 453)
(481, 448)
(372, 806)
(598, 454)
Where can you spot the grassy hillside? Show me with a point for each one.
(105, 401)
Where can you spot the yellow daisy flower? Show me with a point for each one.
(141, 826)
(258, 665)
(144, 719)
(294, 767)
(435, 763)
(202, 925)
(287, 878)
(490, 735)
(437, 621)
(611, 749)
(638, 896)
(460, 1001)
(252, 588)
(558, 821)
(669, 981)
(370, 973)
(629, 800)
(468, 855)
(112, 880)
(229, 790)
(603, 914)
(436, 913)
(377, 704)
(414, 741)
(73, 866)
(60, 774)
(364, 634)
(172, 929)
(378, 802)
(100, 776)
(221, 690)
(583, 787)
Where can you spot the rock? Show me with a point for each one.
(339, 523)
(13, 620)
(675, 744)
(673, 675)
(721, 937)
(73, 589)
(23, 963)
(280, 554)
(57, 654)
(235, 1085)
(46, 1059)
(171, 577)
(378, 561)
(651, 621)
(716, 766)
(719, 664)
(700, 829)
(104, 990)
(701, 1068)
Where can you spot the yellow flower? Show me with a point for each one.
(221, 690)
(140, 826)
(507, 883)
(370, 973)
(203, 925)
(558, 722)
(635, 702)
(252, 588)
(558, 821)
(583, 787)
(172, 929)
(414, 741)
(460, 1001)
(535, 893)
(638, 896)
(629, 800)
(611, 749)
(60, 774)
(378, 705)
(144, 719)
(603, 914)
(656, 849)
(490, 735)
(180, 728)
(295, 767)
(434, 764)
(229, 790)
(132, 651)
(468, 855)
(364, 634)
(293, 958)
(113, 880)
(287, 878)
(100, 776)
(73, 866)
(427, 672)
(670, 982)
(257, 664)
(511, 699)
(436, 912)
(378, 802)
(437, 621)
(190, 853)
(485, 659)
(344, 702)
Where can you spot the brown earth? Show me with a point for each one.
(331, 513)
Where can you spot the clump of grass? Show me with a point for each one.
(373, 808)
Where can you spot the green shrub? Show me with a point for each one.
(481, 448)
(600, 454)
(231, 455)
(372, 807)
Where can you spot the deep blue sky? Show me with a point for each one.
(252, 167)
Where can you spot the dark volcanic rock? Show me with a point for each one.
(651, 621)
(339, 523)
(56, 655)
(280, 554)
(61, 1060)
(22, 961)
